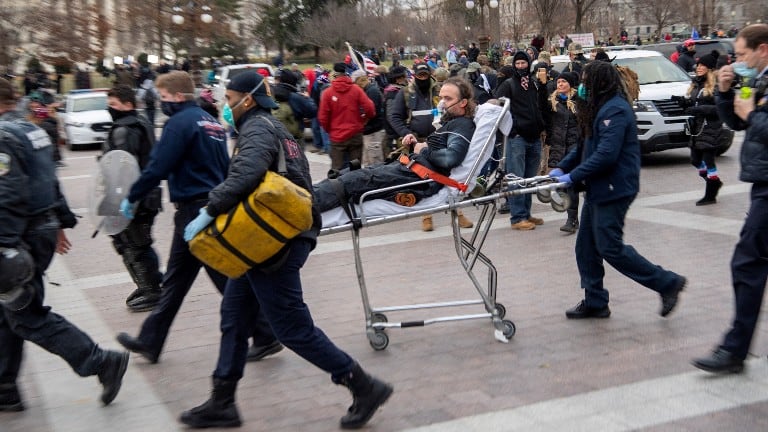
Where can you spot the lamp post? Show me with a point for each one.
(194, 10)
(484, 38)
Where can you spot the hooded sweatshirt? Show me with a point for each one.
(344, 109)
(528, 107)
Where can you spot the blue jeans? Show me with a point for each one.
(36, 323)
(601, 237)
(181, 273)
(320, 137)
(522, 159)
(280, 297)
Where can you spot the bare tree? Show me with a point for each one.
(581, 8)
(659, 12)
(548, 11)
(11, 19)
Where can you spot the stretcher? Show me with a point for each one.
(484, 192)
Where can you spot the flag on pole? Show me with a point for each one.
(694, 34)
(359, 61)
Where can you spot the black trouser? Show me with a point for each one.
(181, 272)
(703, 155)
(36, 323)
(363, 180)
(134, 244)
(749, 273)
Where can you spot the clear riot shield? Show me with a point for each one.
(117, 172)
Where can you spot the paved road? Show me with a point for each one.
(630, 372)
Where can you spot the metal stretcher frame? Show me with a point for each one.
(499, 185)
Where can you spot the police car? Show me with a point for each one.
(84, 119)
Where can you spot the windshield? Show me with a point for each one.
(95, 103)
(652, 70)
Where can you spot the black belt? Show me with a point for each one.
(181, 204)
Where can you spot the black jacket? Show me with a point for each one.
(255, 152)
(304, 108)
(687, 61)
(754, 150)
(563, 134)
(528, 107)
(706, 127)
(377, 123)
(133, 134)
(411, 111)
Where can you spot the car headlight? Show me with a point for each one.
(75, 124)
(644, 106)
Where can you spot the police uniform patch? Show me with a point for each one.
(5, 164)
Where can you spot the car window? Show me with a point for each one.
(651, 70)
(89, 104)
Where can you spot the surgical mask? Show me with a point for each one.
(226, 113)
(171, 108)
(741, 69)
(581, 92)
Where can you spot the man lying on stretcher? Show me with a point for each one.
(444, 149)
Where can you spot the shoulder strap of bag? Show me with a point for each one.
(281, 167)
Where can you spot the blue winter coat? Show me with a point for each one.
(608, 162)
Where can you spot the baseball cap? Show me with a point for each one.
(473, 67)
(253, 83)
(689, 42)
(357, 74)
(421, 68)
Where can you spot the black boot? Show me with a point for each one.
(111, 374)
(572, 224)
(368, 394)
(710, 193)
(218, 411)
(10, 399)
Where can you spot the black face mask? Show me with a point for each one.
(118, 114)
(423, 85)
(522, 72)
(171, 108)
(472, 76)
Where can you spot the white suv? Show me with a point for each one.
(660, 120)
(84, 119)
(225, 74)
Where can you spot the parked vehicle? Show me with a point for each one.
(226, 73)
(660, 120)
(84, 119)
(703, 47)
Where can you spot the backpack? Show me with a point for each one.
(284, 113)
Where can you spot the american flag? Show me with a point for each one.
(359, 60)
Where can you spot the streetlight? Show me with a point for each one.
(484, 38)
(192, 9)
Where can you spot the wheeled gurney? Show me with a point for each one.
(482, 191)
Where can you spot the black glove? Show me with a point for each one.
(680, 100)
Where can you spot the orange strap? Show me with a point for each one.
(426, 173)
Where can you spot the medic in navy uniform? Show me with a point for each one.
(32, 215)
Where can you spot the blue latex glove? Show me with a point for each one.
(126, 208)
(198, 224)
(556, 172)
(565, 178)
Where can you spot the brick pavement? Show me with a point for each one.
(452, 376)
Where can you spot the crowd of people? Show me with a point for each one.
(377, 126)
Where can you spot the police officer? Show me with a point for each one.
(134, 134)
(278, 290)
(32, 213)
(192, 155)
(747, 109)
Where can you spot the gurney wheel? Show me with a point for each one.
(509, 329)
(565, 202)
(502, 310)
(379, 340)
(544, 196)
(379, 318)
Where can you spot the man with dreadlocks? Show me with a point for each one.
(607, 166)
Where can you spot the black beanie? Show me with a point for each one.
(340, 67)
(709, 60)
(571, 77)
